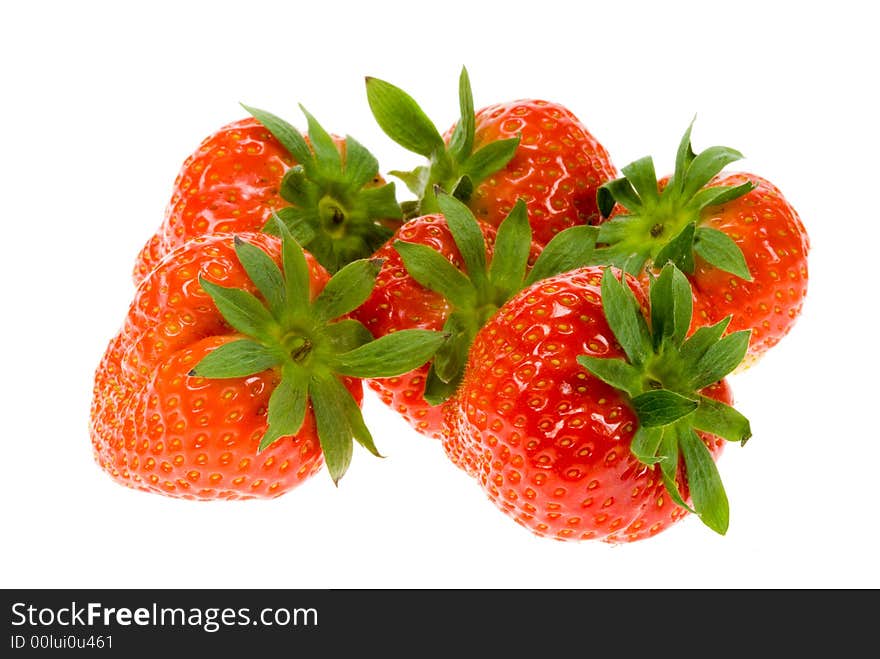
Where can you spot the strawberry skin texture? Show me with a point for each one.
(198, 436)
(557, 168)
(775, 245)
(549, 442)
(399, 302)
(155, 428)
(230, 183)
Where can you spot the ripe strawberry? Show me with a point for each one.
(741, 244)
(326, 189)
(399, 302)
(528, 149)
(237, 372)
(586, 423)
(449, 271)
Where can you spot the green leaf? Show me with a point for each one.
(722, 420)
(300, 223)
(679, 250)
(605, 200)
(436, 390)
(236, 359)
(643, 179)
(468, 238)
(331, 418)
(381, 203)
(287, 407)
(327, 155)
(361, 166)
(683, 159)
(299, 189)
(511, 252)
(489, 159)
(323, 248)
(462, 189)
(646, 443)
(347, 334)
(720, 359)
(660, 407)
(416, 180)
(240, 309)
(290, 138)
(718, 249)
(297, 280)
(699, 342)
(347, 289)
(704, 482)
(568, 250)
(451, 357)
(401, 118)
(662, 306)
(720, 194)
(671, 306)
(705, 166)
(669, 465)
(616, 372)
(683, 297)
(619, 190)
(359, 429)
(434, 272)
(617, 231)
(263, 272)
(390, 355)
(625, 318)
(462, 141)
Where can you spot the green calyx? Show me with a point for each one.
(660, 227)
(475, 295)
(663, 374)
(340, 211)
(456, 169)
(310, 344)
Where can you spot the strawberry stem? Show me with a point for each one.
(340, 210)
(455, 169)
(310, 343)
(664, 226)
(476, 294)
(663, 376)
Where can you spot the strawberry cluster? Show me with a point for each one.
(563, 328)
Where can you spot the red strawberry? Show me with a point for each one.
(452, 272)
(230, 183)
(400, 302)
(529, 149)
(586, 423)
(236, 372)
(740, 242)
(326, 189)
(557, 167)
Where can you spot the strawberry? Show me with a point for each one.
(326, 189)
(529, 149)
(589, 417)
(237, 372)
(451, 272)
(741, 244)
(399, 301)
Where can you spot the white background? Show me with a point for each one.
(101, 102)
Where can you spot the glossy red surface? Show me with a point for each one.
(548, 442)
(154, 427)
(399, 302)
(557, 168)
(776, 245)
(230, 183)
